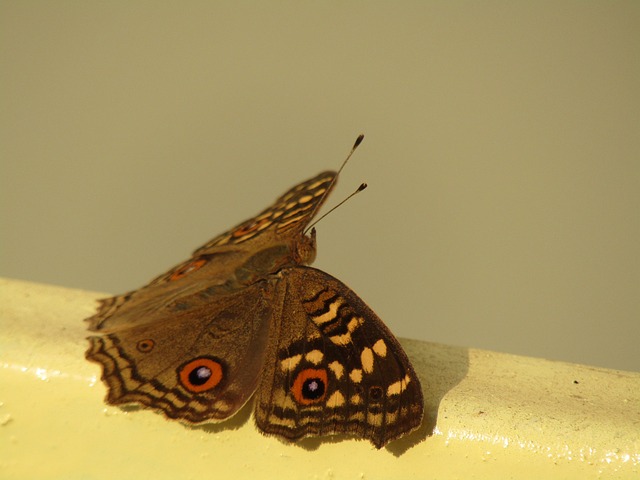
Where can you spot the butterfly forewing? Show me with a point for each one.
(284, 220)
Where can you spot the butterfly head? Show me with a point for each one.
(304, 251)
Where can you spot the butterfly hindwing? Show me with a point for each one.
(333, 366)
(196, 365)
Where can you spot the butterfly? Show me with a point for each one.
(246, 316)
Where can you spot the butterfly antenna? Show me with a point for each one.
(358, 190)
(356, 144)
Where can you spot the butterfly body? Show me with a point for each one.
(246, 314)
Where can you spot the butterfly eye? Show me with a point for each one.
(190, 267)
(201, 374)
(146, 345)
(310, 386)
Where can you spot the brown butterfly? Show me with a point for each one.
(245, 315)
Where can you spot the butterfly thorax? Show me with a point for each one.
(272, 259)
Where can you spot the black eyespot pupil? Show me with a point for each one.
(199, 376)
(313, 388)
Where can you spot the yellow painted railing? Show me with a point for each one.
(488, 415)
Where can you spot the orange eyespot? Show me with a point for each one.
(190, 267)
(247, 229)
(146, 345)
(310, 386)
(200, 374)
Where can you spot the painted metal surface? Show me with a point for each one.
(488, 415)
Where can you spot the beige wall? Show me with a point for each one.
(502, 153)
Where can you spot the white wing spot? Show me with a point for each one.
(290, 363)
(264, 215)
(289, 222)
(380, 348)
(337, 369)
(357, 417)
(335, 400)
(374, 419)
(398, 387)
(392, 418)
(345, 338)
(314, 356)
(366, 358)
(314, 335)
(329, 315)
